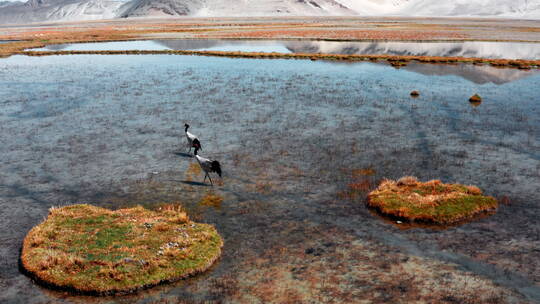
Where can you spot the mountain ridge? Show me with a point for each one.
(79, 10)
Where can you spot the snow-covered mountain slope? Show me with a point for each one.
(236, 8)
(503, 8)
(140, 8)
(7, 3)
(60, 10)
(64, 10)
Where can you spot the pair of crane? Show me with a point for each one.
(206, 164)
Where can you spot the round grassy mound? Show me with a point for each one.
(431, 202)
(92, 250)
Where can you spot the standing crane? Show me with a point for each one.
(208, 166)
(193, 141)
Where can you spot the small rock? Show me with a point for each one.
(399, 222)
(148, 225)
(475, 98)
(415, 93)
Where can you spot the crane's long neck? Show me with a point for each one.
(199, 160)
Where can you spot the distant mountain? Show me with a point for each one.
(506, 8)
(235, 8)
(71, 10)
(6, 3)
(138, 8)
(59, 10)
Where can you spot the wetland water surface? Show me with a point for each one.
(291, 135)
(481, 49)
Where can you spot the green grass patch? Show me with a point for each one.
(432, 201)
(93, 250)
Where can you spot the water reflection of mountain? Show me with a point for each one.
(477, 74)
(508, 50)
(189, 44)
(57, 47)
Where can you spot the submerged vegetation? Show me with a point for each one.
(432, 201)
(93, 250)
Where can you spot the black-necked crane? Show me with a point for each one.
(193, 141)
(208, 166)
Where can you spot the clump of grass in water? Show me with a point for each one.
(93, 250)
(211, 200)
(432, 201)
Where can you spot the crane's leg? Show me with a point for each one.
(211, 183)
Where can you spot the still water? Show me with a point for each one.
(481, 49)
(108, 130)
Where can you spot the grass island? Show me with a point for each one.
(430, 202)
(91, 250)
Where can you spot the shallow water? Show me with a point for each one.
(108, 130)
(482, 49)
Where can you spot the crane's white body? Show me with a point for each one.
(205, 163)
(208, 166)
(190, 138)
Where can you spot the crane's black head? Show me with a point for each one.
(187, 126)
(216, 167)
(196, 144)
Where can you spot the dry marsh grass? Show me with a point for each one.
(92, 250)
(395, 61)
(432, 201)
